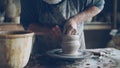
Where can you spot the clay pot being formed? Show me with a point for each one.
(15, 48)
(70, 44)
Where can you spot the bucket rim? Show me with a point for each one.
(15, 34)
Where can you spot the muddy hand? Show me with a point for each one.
(70, 27)
(56, 32)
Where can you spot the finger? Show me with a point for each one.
(69, 30)
(64, 30)
(58, 29)
(73, 32)
(54, 31)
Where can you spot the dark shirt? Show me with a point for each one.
(41, 13)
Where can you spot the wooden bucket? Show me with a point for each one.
(15, 48)
(10, 27)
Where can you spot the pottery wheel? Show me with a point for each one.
(57, 53)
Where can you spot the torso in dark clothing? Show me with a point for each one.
(49, 15)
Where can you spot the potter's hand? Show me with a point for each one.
(56, 32)
(70, 27)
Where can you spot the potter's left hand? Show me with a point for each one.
(70, 27)
(56, 32)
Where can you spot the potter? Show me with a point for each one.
(52, 17)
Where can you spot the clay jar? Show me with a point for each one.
(70, 44)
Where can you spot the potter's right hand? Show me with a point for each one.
(70, 27)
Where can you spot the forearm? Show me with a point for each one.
(37, 28)
(87, 14)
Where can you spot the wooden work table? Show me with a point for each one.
(39, 61)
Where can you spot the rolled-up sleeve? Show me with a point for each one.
(99, 4)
